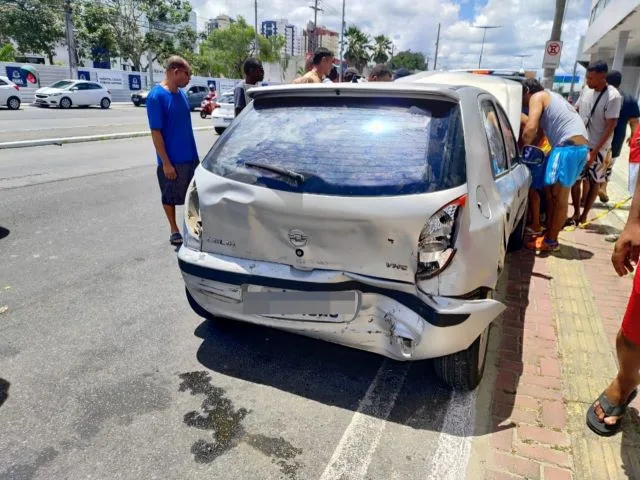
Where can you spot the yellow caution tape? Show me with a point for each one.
(599, 216)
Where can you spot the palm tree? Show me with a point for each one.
(359, 47)
(381, 49)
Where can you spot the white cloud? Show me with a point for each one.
(412, 24)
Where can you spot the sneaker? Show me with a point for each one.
(541, 244)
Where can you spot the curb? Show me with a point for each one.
(87, 138)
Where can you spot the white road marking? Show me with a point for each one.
(352, 457)
(454, 444)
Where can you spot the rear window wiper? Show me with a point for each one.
(285, 172)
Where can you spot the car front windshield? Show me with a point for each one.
(62, 84)
(354, 146)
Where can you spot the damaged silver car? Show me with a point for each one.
(376, 216)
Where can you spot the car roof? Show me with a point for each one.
(506, 91)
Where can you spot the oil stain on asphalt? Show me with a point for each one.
(219, 415)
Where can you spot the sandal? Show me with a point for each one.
(175, 239)
(541, 244)
(601, 428)
(571, 222)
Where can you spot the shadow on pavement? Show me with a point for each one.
(630, 445)
(4, 391)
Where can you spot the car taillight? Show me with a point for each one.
(16, 87)
(192, 220)
(436, 245)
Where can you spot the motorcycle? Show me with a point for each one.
(207, 105)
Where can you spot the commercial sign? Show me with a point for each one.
(84, 75)
(211, 83)
(566, 79)
(15, 75)
(224, 85)
(134, 82)
(109, 79)
(552, 52)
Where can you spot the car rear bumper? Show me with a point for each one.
(389, 318)
(221, 122)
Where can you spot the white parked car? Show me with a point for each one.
(224, 113)
(9, 94)
(373, 215)
(68, 93)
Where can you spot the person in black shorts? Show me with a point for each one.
(169, 117)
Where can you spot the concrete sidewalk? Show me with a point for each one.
(555, 356)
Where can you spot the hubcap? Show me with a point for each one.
(13, 103)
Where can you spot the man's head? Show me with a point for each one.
(350, 74)
(614, 78)
(323, 60)
(401, 72)
(178, 72)
(334, 76)
(380, 73)
(597, 74)
(530, 87)
(253, 71)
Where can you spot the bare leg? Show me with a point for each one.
(548, 199)
(628, 377)
(534, 209)
(576, 193)
(170, 212)
(591, 198)
(560, 206)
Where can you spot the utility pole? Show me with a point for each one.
(257, 44)
(342, 41)
(556, 33)
(484, 36)
(314, 37)
(435, 58)
(150, 61)
(71, 41)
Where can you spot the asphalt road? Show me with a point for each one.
(106, 373)
(32, 122)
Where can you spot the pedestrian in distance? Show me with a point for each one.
(567, 136)
(351, 75)
(333, 77)
(380, 73)
(599, 106)
(169, 118)
(321, 67)
(253, 75)
(604, 416)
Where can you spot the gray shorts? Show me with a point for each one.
(174, 191)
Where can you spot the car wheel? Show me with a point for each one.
(105, 103)
(464, 370)
(219, 130)
(13, 103)
(65, 102)
(203, 114)
(516, 240)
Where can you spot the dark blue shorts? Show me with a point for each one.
(174, 191)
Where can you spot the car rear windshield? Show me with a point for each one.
(62, 84)
(350, 146)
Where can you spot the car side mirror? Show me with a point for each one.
(73, 89)
(532, 155)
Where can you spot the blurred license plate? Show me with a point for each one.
(227, 120)
(312, 306)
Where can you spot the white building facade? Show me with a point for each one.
(291, 34)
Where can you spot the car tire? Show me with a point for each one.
(65, 102)
(105, 103)
(13, 103)
(517, 238)
(219, 130)
(464, 370)
(203, 114)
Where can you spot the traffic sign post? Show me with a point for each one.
(552, 52)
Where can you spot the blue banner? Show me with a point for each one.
(84, 75)
(566, 79)
(15, 75)
(134, 82)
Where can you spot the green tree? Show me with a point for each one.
(36, 26)
(410, 60)
(95, 24)
(381, 49)
(7, 53)
(225, 51)
(359, 47)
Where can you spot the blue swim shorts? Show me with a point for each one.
(565, 164)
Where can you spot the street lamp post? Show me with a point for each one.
(484, 36)
(522, 56)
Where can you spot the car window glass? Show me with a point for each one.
(496, 145)
(346, 146)
(94, 86)
(82, 86)
(507, 135)
(2, 82)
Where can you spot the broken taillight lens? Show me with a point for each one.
(192, 221)
(16, 87)
(436, 245)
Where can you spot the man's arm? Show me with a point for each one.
(156, 122)
(239, 99)
(536, 106)
(610, 126)
(627, 249)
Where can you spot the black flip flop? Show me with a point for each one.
(570, 222)
(601, 428)
(175, 239)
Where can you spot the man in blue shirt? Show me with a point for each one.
(170, 123)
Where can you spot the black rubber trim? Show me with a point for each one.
(410, 301)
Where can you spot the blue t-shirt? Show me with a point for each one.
(170, 113)
(629, 110)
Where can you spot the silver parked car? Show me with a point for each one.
(376, 216)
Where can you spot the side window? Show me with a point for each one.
(82, 86)
(2, 82)
(496, 145)
(94, 86)
(509, 140)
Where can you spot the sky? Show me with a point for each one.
(413, 24)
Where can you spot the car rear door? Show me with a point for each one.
(81, 94)
(4, 91)
(95, 93)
